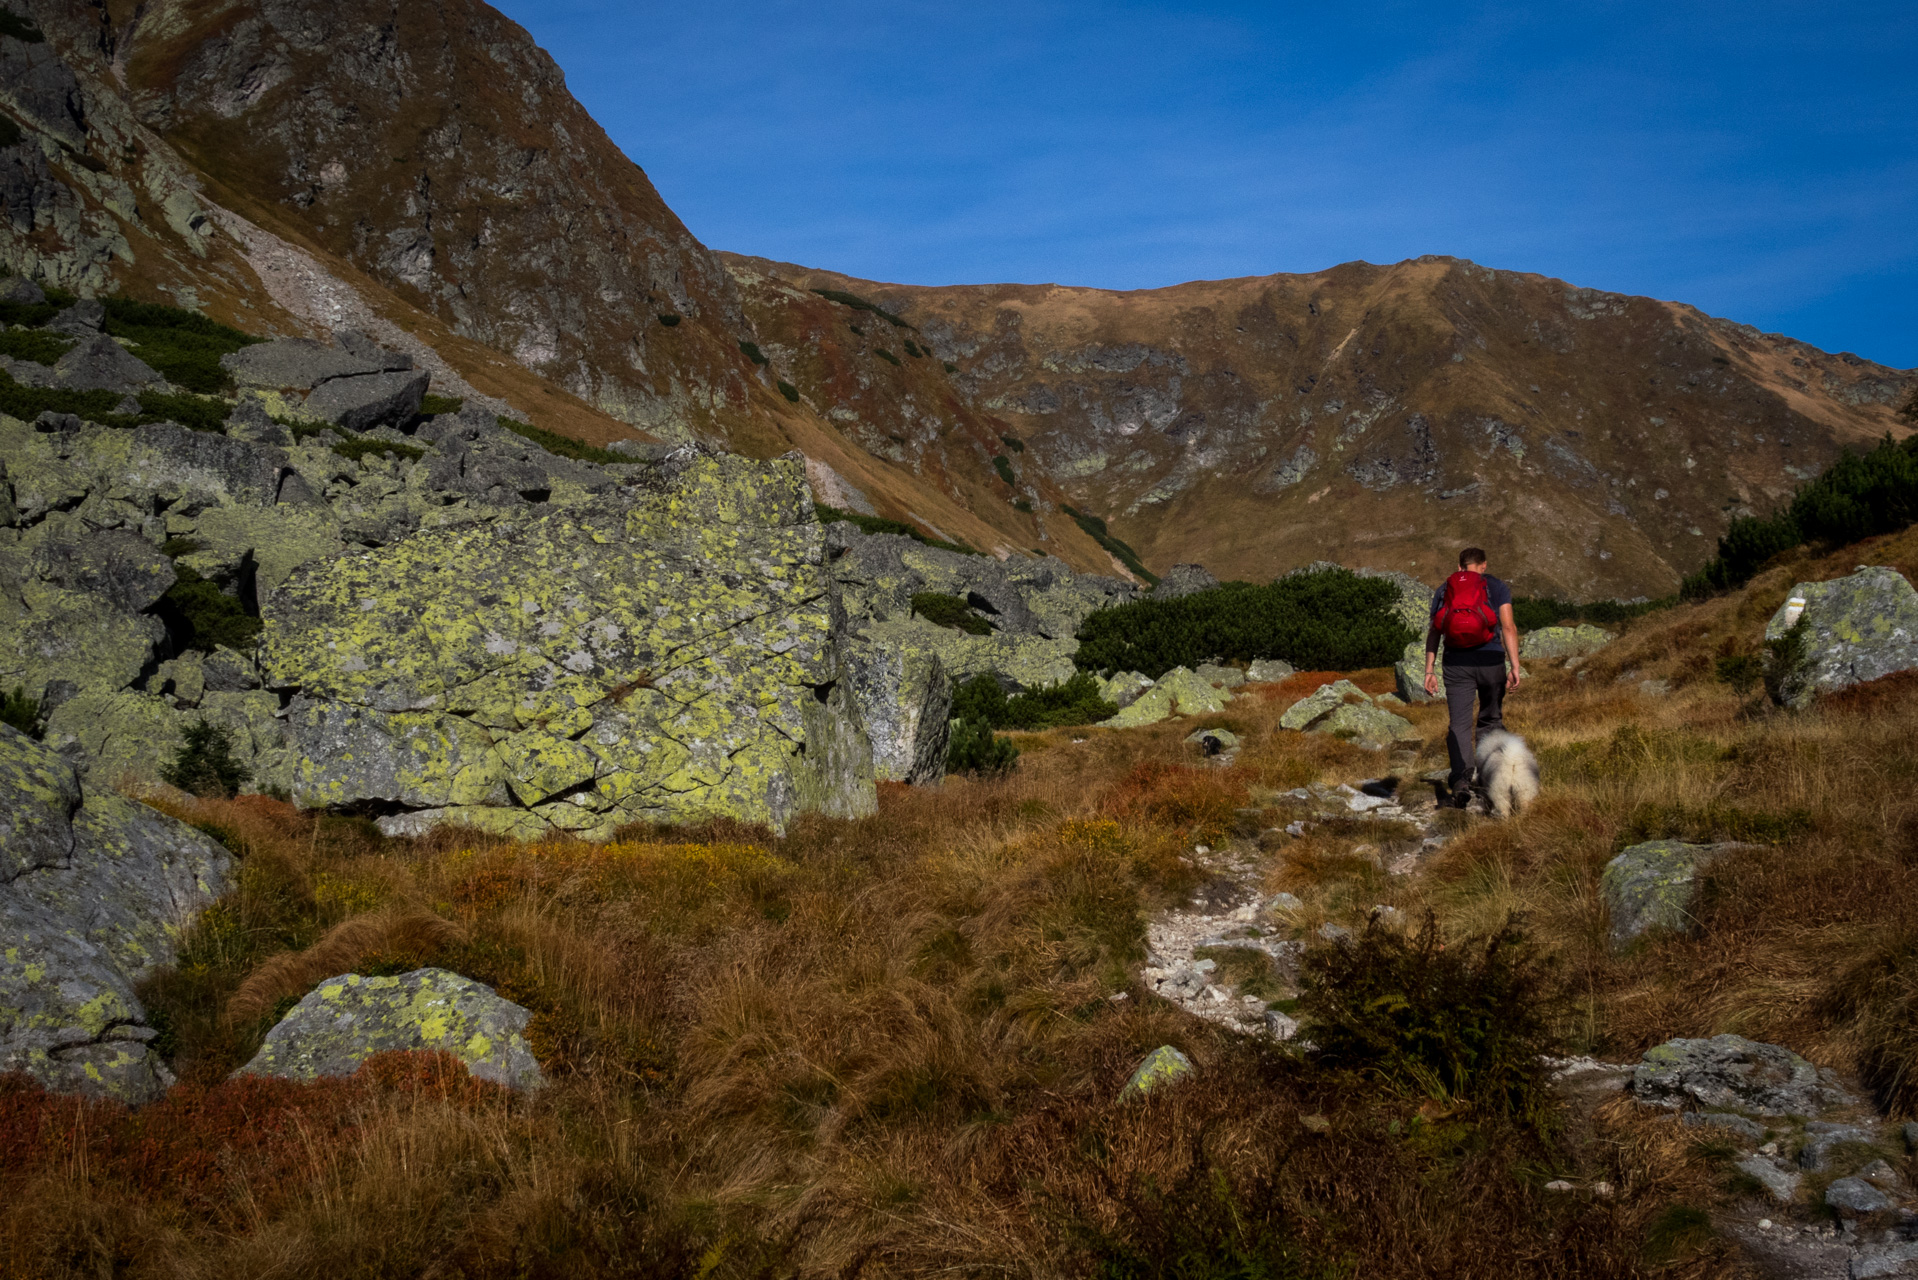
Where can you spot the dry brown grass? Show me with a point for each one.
(888, 1046)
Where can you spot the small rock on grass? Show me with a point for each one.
(1856, 1196)
(1161, 1067)
(1780, 1184)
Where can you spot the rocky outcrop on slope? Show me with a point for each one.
(95, 891)
(661, 653)
(1860, 627)
(904, 665)
(458, 625)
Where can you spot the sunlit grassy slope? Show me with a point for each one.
(894, 1046)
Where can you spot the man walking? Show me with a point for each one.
(1472, 614)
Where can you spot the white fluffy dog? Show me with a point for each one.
(1507, 772)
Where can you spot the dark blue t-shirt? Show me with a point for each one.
(1492, 652)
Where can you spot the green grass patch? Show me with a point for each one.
(951, 367)
(183, 346)
(944, 610)
(36, 345)
(1533, 612)
(668, 319)
(1678, 1231)
(1013, 443)
(752, 352)
(1003, 466)
(1332, 620)
(879, 524)
(887, 356)
(858, 303)
(432, 406)
(914, 350)
(1095, 528)
(559, 445)
(1022, 504)
(788, 390)
(27, 403)
(361, 447)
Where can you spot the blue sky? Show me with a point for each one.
(1758, 159)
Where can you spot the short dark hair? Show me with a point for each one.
(1471, 556)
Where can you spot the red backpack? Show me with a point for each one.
(1466, 618)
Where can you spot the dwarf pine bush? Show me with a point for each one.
(205, 764)
(1332, 620)
(1074, 701)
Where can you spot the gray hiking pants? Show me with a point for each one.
(1463, 686)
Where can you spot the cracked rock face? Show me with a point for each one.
(95, 892)
(656, 655)
(1731, 1073)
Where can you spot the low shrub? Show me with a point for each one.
(1742, 671)
(1095, 528)
(1532, 612)
(1462, 1024)
(887, 356)
(944, 610)
(201, 616)
(1022, 504)
(858, 303)
(1784, 661)
(1071, 702)
(362, 447)
(204, 765)
(1331, 620)
(27, 403)
(182, 345)
(914, 350)
(668, 319)
(788, 390)
(20, 711)
(752, 352)
(951, 367)
(194, 412)
(35, 345)
(879, 524)
(1857, 497)
(974, 748)
(559, 445)
(1013, 443)
(1003, 466)
(431, 406)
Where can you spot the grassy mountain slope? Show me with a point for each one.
(1383, 416)
(895, 1044)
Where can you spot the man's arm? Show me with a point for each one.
(1431, 655)
(1508, 627)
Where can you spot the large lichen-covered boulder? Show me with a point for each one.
(1731, 1073)
(905, 698)
(346, 1020)
(1019, 661)
(358, 404)
(657, 654)
(95, 893)
(1182, 580)
(1861, 627)
(1650, 887)
(1177, 692)
(1367, 724)
(1551, 643)
(1321, 702)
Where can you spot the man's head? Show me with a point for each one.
(1472, 558)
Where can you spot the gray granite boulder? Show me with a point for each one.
(98, 363)
(1409, 673)
(1270, 671)
(1855, 1197)
(345, 1020)
(1182, 580)
(80, 320)
(1321, 702)
(1366, 724)
(905, 698)
(95, 893)
(1860, 627)
(296, 364)
(1650, 887)
(368, 401)
(1551, 643)
(1223, 677)
(117, 565)
(1731, 1073)
(22, 290)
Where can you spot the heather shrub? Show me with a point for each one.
(1332, 620)
(975, 748)
(201, 616)
(943, 610)
(204, 765)
(20, 711)
(183, 346)
(559, 445)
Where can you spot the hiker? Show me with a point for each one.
(1472, 613)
